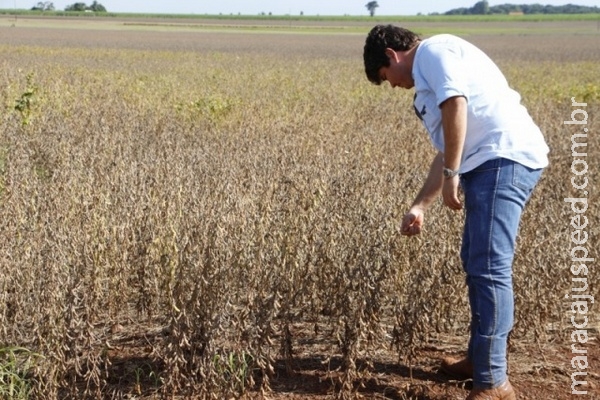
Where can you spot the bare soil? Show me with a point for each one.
(536, 372)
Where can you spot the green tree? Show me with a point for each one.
(43, 6)
(371, 6)
(97, 7)
(481, 8)
(76, 7)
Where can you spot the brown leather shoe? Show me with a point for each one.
(502, 392)
(459, 369)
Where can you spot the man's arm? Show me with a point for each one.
(413, 219)
(454, 123)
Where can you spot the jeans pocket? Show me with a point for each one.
(525, 178)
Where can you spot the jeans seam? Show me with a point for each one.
(497, 192)
(489, 267)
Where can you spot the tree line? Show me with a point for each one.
(479, 8)
(49, 6)
(483, 8)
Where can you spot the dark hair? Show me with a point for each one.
(381, 38)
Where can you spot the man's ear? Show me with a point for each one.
(392, 54)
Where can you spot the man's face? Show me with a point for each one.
(399, 72)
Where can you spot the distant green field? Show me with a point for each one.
(543, 24)
(323, 18)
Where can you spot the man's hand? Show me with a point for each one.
(450, 193)
(412, 222)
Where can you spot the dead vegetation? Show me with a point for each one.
(216, 224)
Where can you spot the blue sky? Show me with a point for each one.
(282, 7)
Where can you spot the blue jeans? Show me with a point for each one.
(495, 195)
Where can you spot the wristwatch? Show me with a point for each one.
(450, 173)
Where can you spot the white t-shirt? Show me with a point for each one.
(498, 125)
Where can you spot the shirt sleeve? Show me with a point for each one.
(443, 69)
